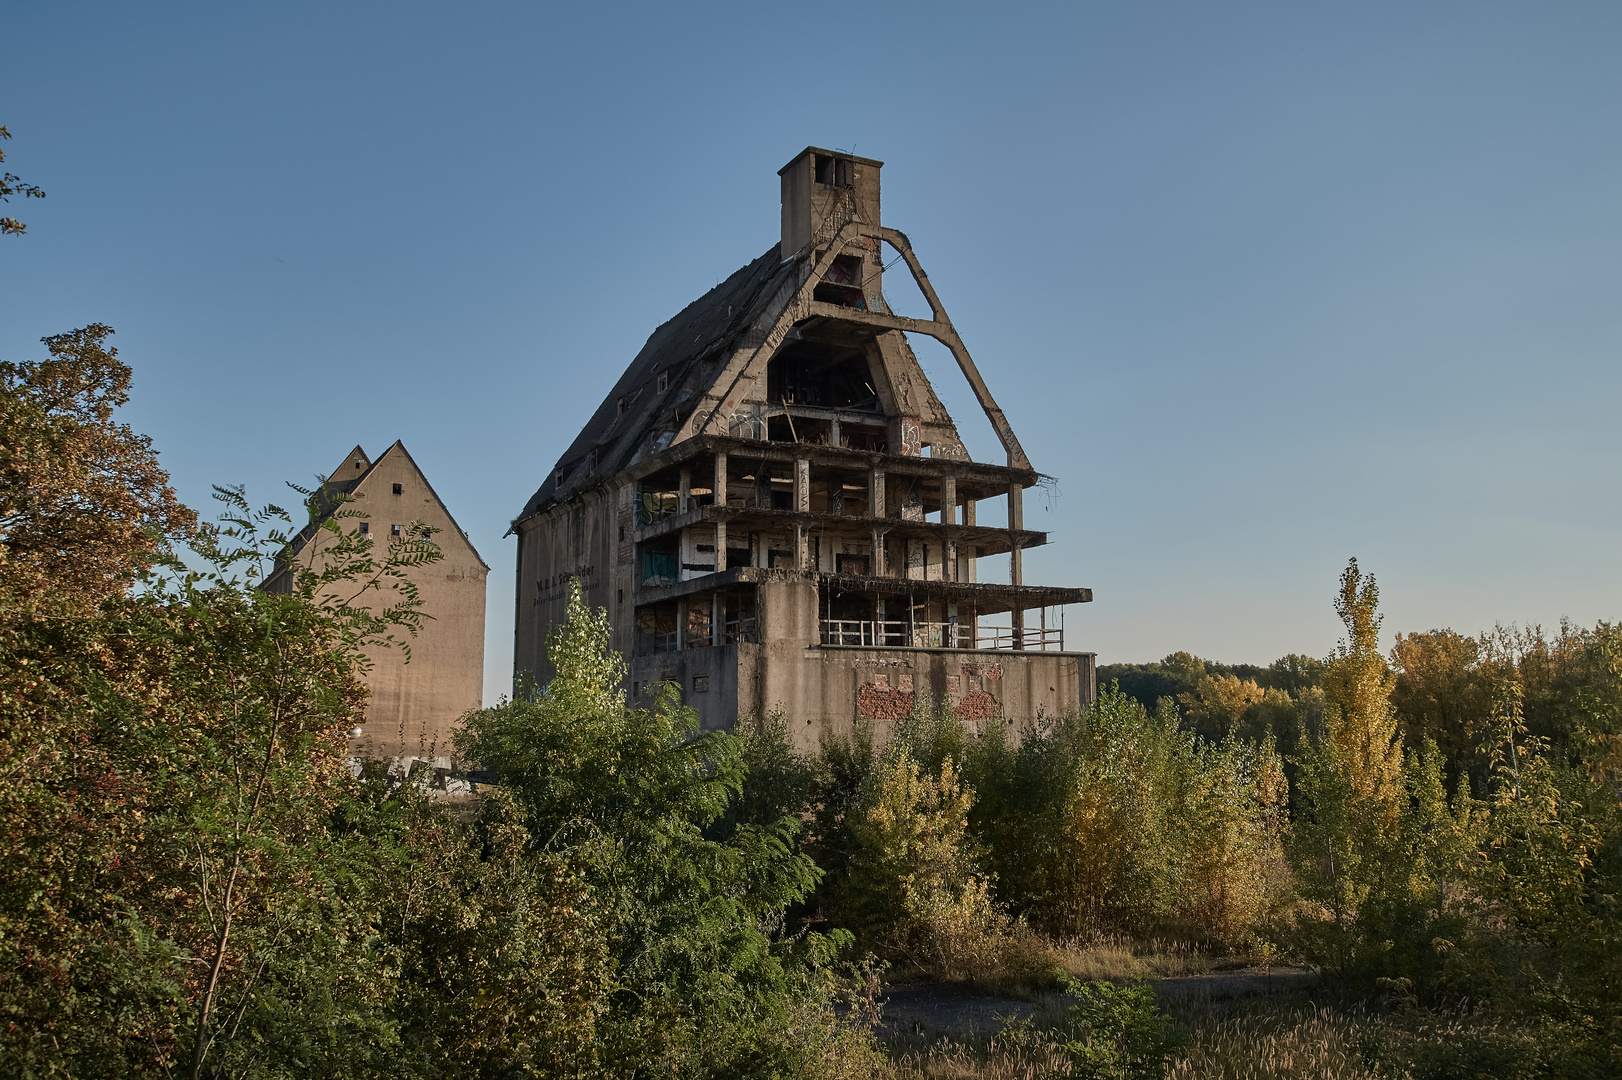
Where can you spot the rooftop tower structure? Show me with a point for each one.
(778, 512)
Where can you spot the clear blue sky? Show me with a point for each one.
(1264, 286)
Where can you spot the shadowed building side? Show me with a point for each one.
(414, 706)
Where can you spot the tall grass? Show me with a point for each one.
(1281, 1038)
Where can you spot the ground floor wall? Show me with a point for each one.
(825, 691)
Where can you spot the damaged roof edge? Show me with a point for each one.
(703, 331)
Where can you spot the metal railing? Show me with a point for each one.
(733, 631)
(1031, 639)
(914, 635)
(897, 634)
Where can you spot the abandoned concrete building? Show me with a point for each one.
(414, 706)
(779, 514)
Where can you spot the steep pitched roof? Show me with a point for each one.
(689, 349)
(348, 476)
(461, 532)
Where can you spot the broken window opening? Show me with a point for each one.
(660, 567)
(821, 376)
(834, 171)
(842, 284)
(399, 489)
(664, 381)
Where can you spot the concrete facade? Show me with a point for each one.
(778, 512)
(414, 706)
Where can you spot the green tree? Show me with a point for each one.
(174, 897)
(627, 796)
(13, 185)
(1442, 693)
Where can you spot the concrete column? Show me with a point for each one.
(1016, 563)
(685, 491)
(720, 547)
(801, 548)
(802, 485)
(1016, 522)
(720, 479)
(718, 618)
(968, 511)
(949, 500)
(878, 553)
(949, 560)
(681, 623)
(875, 492)
(835, 436)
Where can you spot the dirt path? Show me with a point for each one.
(930, 1011)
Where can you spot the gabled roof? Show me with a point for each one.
(351, 473)
(400, 447)
(690, 350)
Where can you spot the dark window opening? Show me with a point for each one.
(701, 684)
(842, 284)
(851, 564)
(366, 528)
(664, 381)
(821, 376)
(399, 489)
(622, 534)
(834, 171)
(619, 407)
(870, 439)
(394, 531)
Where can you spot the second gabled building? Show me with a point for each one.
(777, 511)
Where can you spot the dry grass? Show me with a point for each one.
(1263, 1038)
(1023, 964)
(1305, 1042)
(1302, 1042)
(1121, 959)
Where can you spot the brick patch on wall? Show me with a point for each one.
(978, 706)
(882, 703)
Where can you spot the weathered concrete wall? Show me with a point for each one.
(847, 685)
(709, 680)
(414, 706)
(589, 538)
